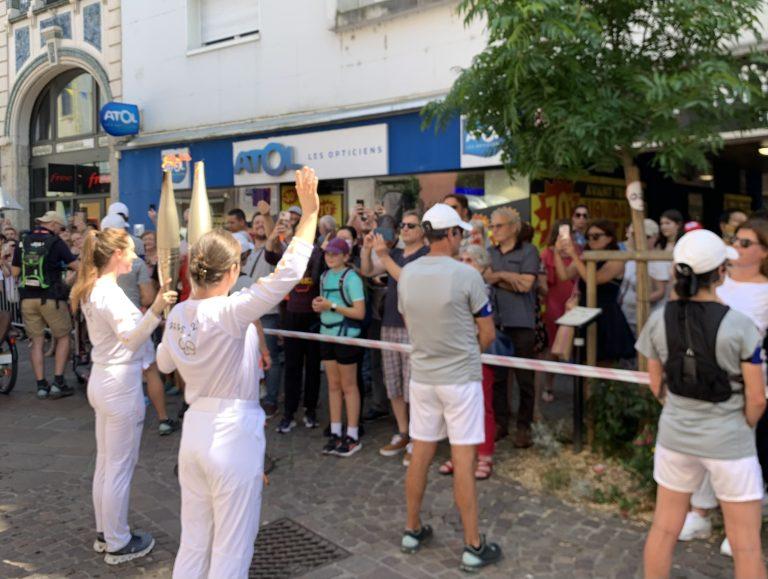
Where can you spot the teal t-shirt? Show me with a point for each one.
(353, 290)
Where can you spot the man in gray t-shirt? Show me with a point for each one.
(137, 284)
(449, 320)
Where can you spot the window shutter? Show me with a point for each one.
(224, 19)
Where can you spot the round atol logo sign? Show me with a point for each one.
(120, 119)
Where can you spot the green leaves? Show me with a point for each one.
(567, 83)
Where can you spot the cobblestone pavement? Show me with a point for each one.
(46, 529)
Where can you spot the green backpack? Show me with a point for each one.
(35, 248)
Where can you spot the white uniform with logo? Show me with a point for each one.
(214, 345)
(121, 350)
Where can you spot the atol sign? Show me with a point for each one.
(120, 119)
(479, 149)
(342, 153)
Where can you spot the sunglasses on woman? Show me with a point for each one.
(595, 236)
(409, 225)
(744, 243)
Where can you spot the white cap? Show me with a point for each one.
(118, 207)
(113, 221)
(295, 209)
(651, 227)
(442, 216)
(244, 240)
(702, 251)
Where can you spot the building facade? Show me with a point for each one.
(60, 61)
(264, 87)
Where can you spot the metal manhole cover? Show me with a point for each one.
(284, 548)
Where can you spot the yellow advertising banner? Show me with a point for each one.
(330, 204)
(556, 199)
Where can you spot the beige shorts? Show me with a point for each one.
(36, 316)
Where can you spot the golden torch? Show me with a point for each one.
(168, 238)
(200, 220)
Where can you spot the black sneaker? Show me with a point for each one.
(61, 391)
(333, 443)
(139, 545)
(310, 420)
(374, 414)
(167, 427)
(43, 390)
(348, 447)
(286, 425)
(100, 544)
(413, 540)
(473, 560)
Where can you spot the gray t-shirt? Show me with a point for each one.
(130, 282)
(515, 309)
(700, 428)
(439, 297)
(255, 268)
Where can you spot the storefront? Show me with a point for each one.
(389, 160)
(69, 162)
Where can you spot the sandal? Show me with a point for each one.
(484, 469)
(446, 468)
(548, 396)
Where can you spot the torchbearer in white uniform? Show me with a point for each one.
(211, 340)
(121, 351)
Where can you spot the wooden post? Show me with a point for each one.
(592, 303)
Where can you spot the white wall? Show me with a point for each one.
(297, 65)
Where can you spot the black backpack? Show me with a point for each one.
(35, 250)
(691, 369)
(346, 323)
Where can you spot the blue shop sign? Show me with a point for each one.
(480, 145)
(120, 119)
(256, 160)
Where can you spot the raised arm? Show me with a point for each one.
(255, 301)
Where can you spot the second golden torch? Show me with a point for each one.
(168, 237)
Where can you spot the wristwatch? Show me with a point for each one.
(333, 307)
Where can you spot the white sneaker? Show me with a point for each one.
(725, 548)
(695, 527)
(407, 455)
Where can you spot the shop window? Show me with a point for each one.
(75, 105)
(41, 124)
(214, 22)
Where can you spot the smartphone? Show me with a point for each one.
(386, 232)
(152, 207)
(360, 204)
(565, 231)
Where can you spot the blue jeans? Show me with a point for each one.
(275, 374)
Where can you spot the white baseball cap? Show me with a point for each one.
(113, 221)
(442, 216)
(244, 240)
(118, 208)
(702, 251)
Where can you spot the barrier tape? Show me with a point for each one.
(630, 376)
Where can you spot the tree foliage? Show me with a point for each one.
(574, 85)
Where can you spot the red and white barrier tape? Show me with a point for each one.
(508, 361)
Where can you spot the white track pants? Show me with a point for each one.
(115, 394)
(221, 464)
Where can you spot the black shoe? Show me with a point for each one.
(286, 425)
(334, 441)
(167, 426)
(61, 391)
(348, 447)
(374, 414)
(139, 545)
(310, 420)
(473, 559)
(43, 391)
(413, 540)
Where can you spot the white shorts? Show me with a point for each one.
(454, 411)
(737, 481)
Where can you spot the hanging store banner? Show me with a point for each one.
(479, 149)
(340, 154)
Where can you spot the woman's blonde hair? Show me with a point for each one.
(212, 257)
(98, 248)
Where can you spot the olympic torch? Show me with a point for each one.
(168, 238)
(200, 220)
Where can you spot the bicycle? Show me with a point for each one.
(9, 355)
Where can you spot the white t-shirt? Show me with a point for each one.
(749, 298)
(117, 329)
(213, 343)
(658, 270)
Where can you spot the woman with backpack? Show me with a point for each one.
(705, 363)
(341, 305)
